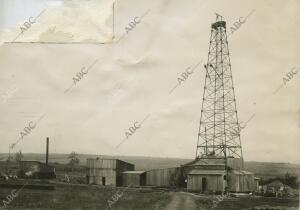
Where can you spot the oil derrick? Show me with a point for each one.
(219, 130)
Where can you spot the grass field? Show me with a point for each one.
(85, 197)
(90, 197)
(259, 202)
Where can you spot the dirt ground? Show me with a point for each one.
(187, 201)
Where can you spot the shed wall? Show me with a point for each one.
(235, 163)
(101, 163)
(95, 176)
(242, 182)
(122, 166)
(164, 177)
(213, 183)
(134, 180)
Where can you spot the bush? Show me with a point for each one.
(288, 179)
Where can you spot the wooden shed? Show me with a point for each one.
(199, 180)
(242, 181)
(106, 171)
(164, 177)
(208, 173)
(134, 178)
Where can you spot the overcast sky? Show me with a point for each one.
(132, 79)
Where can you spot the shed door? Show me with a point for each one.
(103, 180)
(204, 184)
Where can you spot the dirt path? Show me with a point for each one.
(181, 201)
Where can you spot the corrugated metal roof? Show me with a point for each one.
(247, 172)
(106, 163)
(93, 159)
(133, 172)
(207, 172)
(241, 172)
(28, 161)
(206, 161)
(164, 169)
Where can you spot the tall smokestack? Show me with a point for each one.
(47, 150)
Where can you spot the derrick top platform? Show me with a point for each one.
(218, 24)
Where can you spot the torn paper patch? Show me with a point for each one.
(67, 21)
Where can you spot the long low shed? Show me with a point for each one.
(134, 178)
(164, 177)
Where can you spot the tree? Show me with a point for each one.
(74, 160)
(290, 180)
(8, 161)
(19, 156)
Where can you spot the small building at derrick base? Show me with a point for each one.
(216, 174)
(106, 172)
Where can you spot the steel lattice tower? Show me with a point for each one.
(219, 130)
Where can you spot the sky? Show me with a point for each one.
(129, 81)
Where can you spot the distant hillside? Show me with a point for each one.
(261, 169)
(268, 170)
